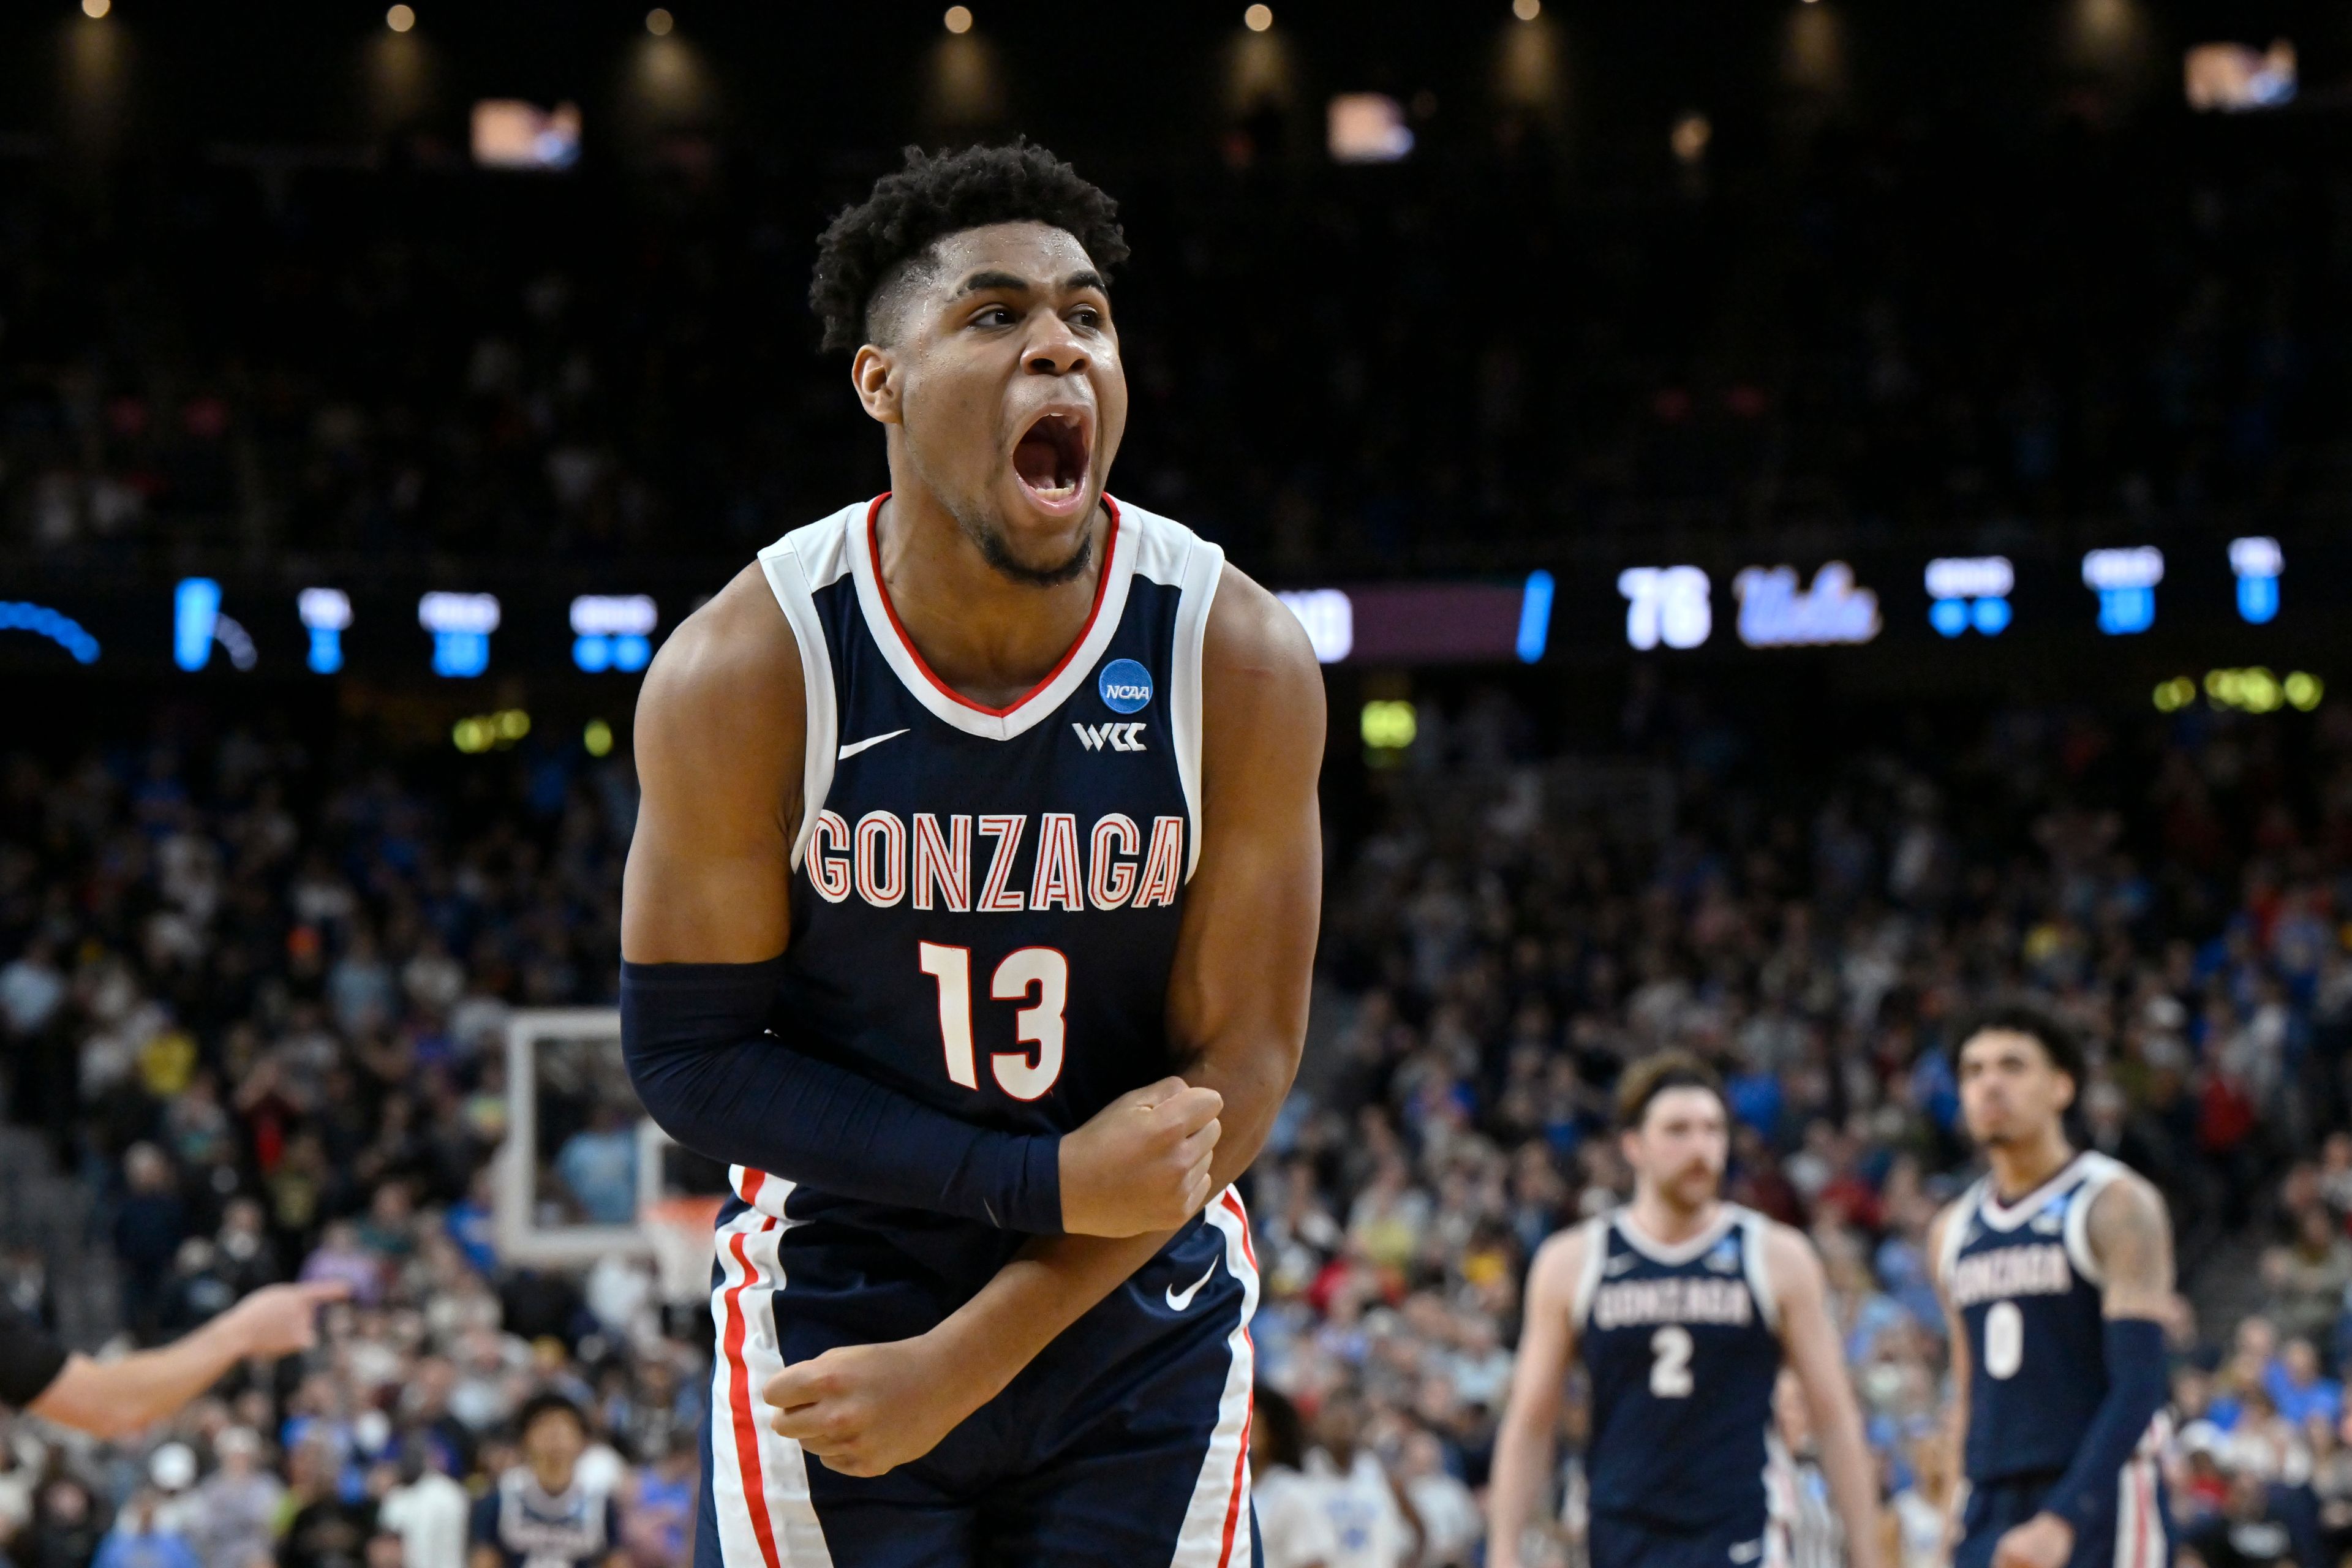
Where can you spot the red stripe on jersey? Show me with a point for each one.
(1233, 1509)
(747, 1433)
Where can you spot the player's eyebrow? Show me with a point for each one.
(991, 281)
(1088, 278)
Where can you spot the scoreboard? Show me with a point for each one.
(1878, 606)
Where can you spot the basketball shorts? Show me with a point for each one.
(1125, 1442)
(1624, 1541)
(2138, 1537)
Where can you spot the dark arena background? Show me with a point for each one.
(1813, 515)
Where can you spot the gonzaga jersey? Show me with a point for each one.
(2025, 1285)
(985, 901)
(1681, 1345)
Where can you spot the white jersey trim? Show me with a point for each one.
(1173, 556)
(2008, 1216)
(1727, 1218)
(1077, 666)
(1753, 1230)
(758, 1481)
(1588, 1278)
(2099, 1174)
(796, 566)
(1216, 1532)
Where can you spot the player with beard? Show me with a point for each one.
(2056, 1274)
(1682, 1308)
(969, 919)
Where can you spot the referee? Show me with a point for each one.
(116, 1398)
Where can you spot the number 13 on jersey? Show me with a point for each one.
(1040, 969)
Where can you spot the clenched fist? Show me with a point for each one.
(1143, 1163)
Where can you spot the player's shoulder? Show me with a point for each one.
(736, 653)
(730, 681)
(2120, 1196)
(1949, 1229)
(1561, 1257)
(1790, 1256)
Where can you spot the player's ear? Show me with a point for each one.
(874, 374)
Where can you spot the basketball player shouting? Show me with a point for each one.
(1683, 1306)
(969, 918)
(2056, 1273)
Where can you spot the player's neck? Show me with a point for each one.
(986, 636)
(1669, 1224)
(2018, 1168)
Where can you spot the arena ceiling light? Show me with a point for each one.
(958, 19)
(1258, 19)
(1527, 10)
(658, 22)
(400, 18)
(1367, 128)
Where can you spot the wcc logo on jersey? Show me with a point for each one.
(1126, 688)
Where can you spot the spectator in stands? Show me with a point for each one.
(1295, 1529)
(429, 1511)
(137, 1541)
(2297, 1389)
(234, 1512)
(148, 1227)
(542, 1511)
(2309, 1278)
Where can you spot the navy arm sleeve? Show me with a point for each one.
(695, 1037)
(29, 1358)
(2137, 1389)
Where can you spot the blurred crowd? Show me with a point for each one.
(252, 989)
(1907, 324)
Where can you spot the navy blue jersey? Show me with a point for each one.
(2027, 1290)
(1682, 1346)
(986, 901)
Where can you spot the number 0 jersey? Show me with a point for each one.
(2027, 1288)
(985, 901)
(1682, 1346)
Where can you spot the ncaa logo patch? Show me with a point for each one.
(1126, 686)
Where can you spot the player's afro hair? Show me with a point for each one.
(936, 194)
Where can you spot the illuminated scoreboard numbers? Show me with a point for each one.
(1965, 591)
(2125, 580)
(1673, 606)
(326, 614)
(461, 624)
(613, 631)
(2258, 564)
(1328, 617)
(197, 623)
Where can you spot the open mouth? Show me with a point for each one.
(1051, 458)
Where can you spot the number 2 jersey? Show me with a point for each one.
(2027, 1288)
(985, 901)
(1681, 1345)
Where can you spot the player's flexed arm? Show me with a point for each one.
(1236, 1012)
(2130, 1238)
(705, 915)
(1810, 1340)
(1523, 1446)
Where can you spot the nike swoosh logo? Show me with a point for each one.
(852, 750)
(1179, 1299)
(1618, 1265)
